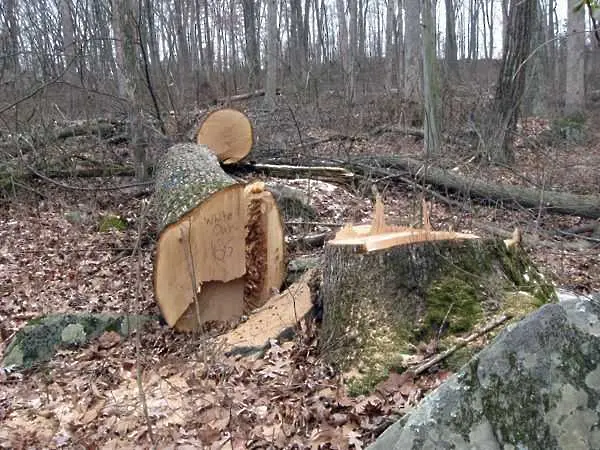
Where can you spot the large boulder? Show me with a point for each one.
(537, 386)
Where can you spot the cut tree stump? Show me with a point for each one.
(220, 252)
(228, 134)
(386, 289)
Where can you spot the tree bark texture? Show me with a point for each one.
(498, 131)
(376, 303)
(220, 252)
(575, 61)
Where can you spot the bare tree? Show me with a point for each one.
(251, 36)
(451, 51)
(272, 56)
(390, 34)
(413, 52)
(575, 60)
(343, 37)
(431, 86)
(511, 81)
(353, 53)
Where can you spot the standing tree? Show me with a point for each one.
(575, 60)
(271, 81)
(252, 47)
(450, 42)
(504, 114)
(390, 29)
(431, 85)
(412, 52)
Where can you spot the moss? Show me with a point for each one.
(365, 383)
(112, 222)
(459, 358)
(570, 128)
(40, 338)
(519, 304)
(517, 423)
(453, 304)
(526, 277)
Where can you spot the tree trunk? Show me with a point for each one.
(390, 32)
(353, 51)
(220, 252)
(252, 48)
(272, 56)
(413, 46)
(384, 292)
(68, 35)
(498, 131)
(450, 42)
(343, 39)
(575, 61)
(431, 85)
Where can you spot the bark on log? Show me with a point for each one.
(551, 201)
(220, 251)
(381, 295)
(391, 168)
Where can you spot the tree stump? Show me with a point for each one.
(385, 289)
(220, 251)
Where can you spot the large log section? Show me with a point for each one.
(386, 289)
(220, 251)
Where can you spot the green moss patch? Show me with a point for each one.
(112, 222)
(40, 338)
(452, 304)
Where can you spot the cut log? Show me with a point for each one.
(220, 251)
(385, 289)
(228, 134)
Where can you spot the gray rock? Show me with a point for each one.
(537, 386)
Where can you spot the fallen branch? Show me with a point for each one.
(325, 173)
(438, 358)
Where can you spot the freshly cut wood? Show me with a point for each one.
(220, 251)
(387, 288)
(228, 134)
(323, 173)
(275, 320)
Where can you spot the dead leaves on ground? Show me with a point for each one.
(287, 399)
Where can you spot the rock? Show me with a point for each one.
(40, 338)
(537, 386)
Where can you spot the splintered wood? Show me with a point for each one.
(280, 313)
(379, 235)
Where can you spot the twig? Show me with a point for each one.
(77, 188)
(138, 335)
(433, 361)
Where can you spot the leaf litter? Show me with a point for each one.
(54, 259)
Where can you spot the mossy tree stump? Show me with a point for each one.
(220, 251)
(386, 289)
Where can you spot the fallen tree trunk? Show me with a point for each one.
(220, 251)
(390, 167)
(552, 201)
(386, 289)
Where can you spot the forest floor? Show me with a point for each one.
(54, 259)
